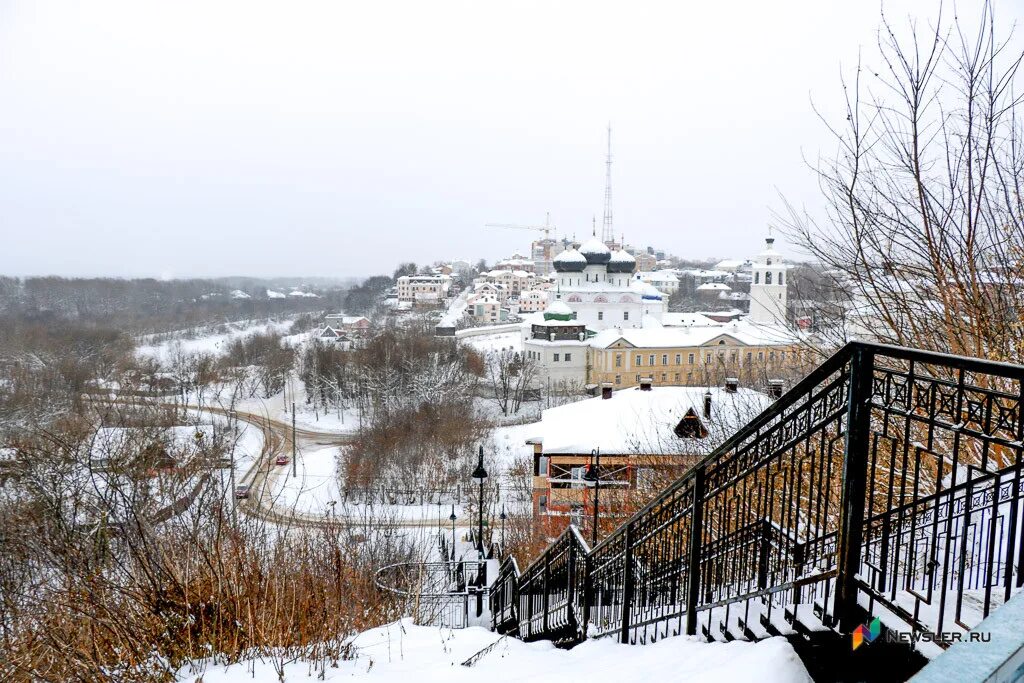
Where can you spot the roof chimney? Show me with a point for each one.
(732, 385)
(775, 387)
(646, 383)
(707, 403)
(606, 390)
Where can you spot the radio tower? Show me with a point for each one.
(607, 233)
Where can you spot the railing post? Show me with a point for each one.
(544, 597)
(854, 486)
(571, 574)
(588, 593)
(763, 551)
(693, 556)
(627, 583)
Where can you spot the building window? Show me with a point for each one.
(542, 466)
(542, 504)
(638, 379)
(782, 355)
(664, 377)
(677, 376)
(625, 315)
(679, 359)
(556, 357)
(618, 379)
(691, 359)
(664, 359)
(771, 355)
(780, 278)
(618, 360)
(707, 358)
(600, 315)
(768, 277)
(760, 355)
(568, 357)
(639, 361)
(651, 359)
(749, 356)
(757, 277)
(732, 357)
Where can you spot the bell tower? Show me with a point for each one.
(768, 288)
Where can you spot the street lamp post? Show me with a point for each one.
(503, 517)
(479, 475)
(452, 518)
(593, 476)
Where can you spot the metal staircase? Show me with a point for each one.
(887, 483)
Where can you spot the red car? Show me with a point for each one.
(282, 460)
(242, 491)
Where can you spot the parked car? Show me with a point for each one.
(242, 491)
(282, 460)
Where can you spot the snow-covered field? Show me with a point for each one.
(405, 653)
(499, 341)
(214, 343)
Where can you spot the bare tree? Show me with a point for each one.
(924, 229)
(510, 375)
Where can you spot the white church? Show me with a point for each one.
(598, 286)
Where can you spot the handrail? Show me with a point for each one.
(833, 364)
(784, 511)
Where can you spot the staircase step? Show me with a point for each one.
(769, 626)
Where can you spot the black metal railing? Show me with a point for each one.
(887, 482)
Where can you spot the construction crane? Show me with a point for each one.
(547, 228)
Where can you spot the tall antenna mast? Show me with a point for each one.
(607, 232)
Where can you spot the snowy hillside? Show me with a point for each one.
(404, 653)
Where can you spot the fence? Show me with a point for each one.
(887, 482)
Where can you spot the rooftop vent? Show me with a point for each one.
(606, 390)
(732, 384)
(646, 383)
(775, 387)
(707, 404)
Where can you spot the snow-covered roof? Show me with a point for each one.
(570, 256)
(729, 264)
(595, 248)
(742, 331)
(300, 293)
(557, 308)
(658, 276)
(239, 294)
(622, 256)
(680, 319)
(633, 421)
(714, 286)
(271, 294)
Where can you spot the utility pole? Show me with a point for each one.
(293, 439)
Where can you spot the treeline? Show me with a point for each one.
(148, 305)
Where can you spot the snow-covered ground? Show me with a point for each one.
(403, 653)
(498, 341)
(214, 343)
(314, 486)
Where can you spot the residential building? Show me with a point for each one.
(423, 290)
(663, 280)
(532, 301)
(642, 433)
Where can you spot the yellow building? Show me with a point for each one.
(693, 355)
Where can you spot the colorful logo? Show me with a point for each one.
(866, 633)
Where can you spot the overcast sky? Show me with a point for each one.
(208, 138)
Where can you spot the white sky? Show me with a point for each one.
(339, 138)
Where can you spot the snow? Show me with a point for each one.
(314, 487)
(699, 334)
(239, 294)
(214, 344)
(633, 421)
(271, 294)
(402, 652)
(570, 256)
(498, 341)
